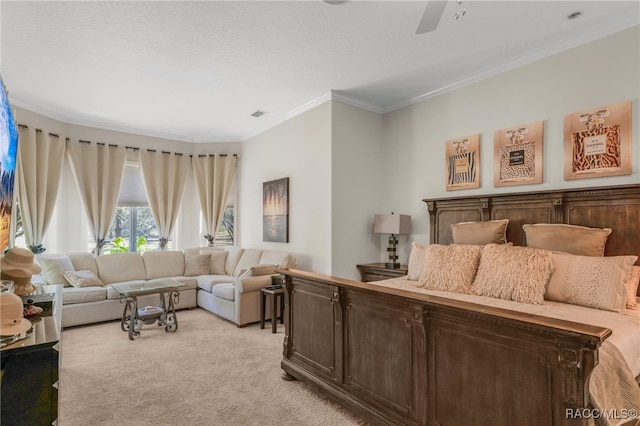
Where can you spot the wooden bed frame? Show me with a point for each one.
(399, 357)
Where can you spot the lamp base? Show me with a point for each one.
(392, 265)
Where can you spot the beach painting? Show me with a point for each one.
(275, 211)
(8, 155)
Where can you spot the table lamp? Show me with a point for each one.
(393, 224)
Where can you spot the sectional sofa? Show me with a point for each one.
(225, 281)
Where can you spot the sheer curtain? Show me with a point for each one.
(214, 177)
(40, 160)
(164, 176)
(98, 169)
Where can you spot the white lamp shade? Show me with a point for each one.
(398, 224)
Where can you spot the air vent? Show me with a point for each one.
(258, 113)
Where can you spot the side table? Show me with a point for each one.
(274, 294)
(377, 272)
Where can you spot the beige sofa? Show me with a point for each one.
(89, 302)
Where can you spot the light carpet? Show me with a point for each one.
(209, 372)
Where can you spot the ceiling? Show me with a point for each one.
(196, 70)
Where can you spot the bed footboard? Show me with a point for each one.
(396, 357)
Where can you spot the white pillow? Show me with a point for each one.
(591, 281)
(632, 287)
(53, 267)
(417, 259)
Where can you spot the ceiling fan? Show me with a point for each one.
(432, 14)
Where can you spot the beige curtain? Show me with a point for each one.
(98, 169)
(164, 175)
(214, 176)
(40, 160)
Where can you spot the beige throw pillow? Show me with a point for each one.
(416, 261)
(632, 287)
(480, 233)
(573, 239)
(594, 282)
(513, 273)
(216, 262)
(196, 264)
(84, 278)
(262, 270)
(450, 267)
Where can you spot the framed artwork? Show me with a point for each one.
(463, 163)
(8, 156)
(597, 142)
(275, 211)
(517, 155)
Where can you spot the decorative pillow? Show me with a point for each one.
(572, 239)
(480, 233)
(196, 264)
(594, 282)
(53, 266)
(262, 270)
(84, 278)
(216, 262)
(632, 287)
(450, 268)
(513, 273)
(416, 261)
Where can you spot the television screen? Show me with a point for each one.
(8, 154)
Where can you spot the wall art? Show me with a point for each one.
(463, 163)
(275, 211)
(517, 155)
(597, 142)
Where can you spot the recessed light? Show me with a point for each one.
(574, 15)
(335, 2)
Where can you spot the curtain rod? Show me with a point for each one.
(24, 126)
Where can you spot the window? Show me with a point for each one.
(133, 228)
(225, 234)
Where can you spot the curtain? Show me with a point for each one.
(98, 169)
(39, 168)
(214, 176)
(164, 175)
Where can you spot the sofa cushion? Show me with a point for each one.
(163, 263)
(119, 267)
(73, 295)
(217, 261)
(224, 291)
(191, 283)
(112, 293)
(84, 262)
(196, 264)
(53, 267)
(205, 282)
(250, 257)
(279, 258)
(233, 256)
(253, 283)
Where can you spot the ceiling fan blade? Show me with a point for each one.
(431, 16)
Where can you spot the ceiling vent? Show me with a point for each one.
(258, 113)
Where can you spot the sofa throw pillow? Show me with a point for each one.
(216, 262)
(85, 278)
(513, 273)
(196, 264)
(572, 239)
(480, 233)
(416, 261)
(262, 270)
(594, 282)
(632, 287)
(53, 267)
(450, 267)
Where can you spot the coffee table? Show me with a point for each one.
(133, 317)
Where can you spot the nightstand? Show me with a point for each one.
(377, 272)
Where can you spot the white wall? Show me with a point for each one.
(575, 80)
(299, 149)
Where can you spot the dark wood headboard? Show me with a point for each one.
(615, 207)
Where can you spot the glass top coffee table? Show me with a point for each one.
(133, 317)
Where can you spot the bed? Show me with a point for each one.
(397, 354)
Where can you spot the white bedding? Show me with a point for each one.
(625, 328)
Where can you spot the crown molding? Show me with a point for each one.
(356, 102)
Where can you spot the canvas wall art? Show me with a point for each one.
(517, 155)
(463, 163)
(275, 211)
(8, 155)
(597, 142)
